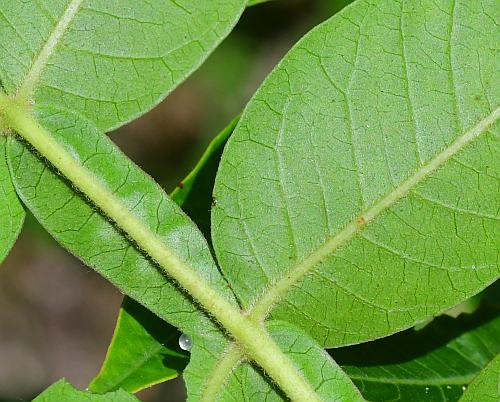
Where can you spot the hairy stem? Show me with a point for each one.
(232, 358)
(250, 335)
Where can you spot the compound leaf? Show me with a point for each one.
(111, 61)
(359, 193)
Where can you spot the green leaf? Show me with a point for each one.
(434, 364)
(139, 332)
(144, 351)
(64, 392)
(111, 61)
(249, 384)
(359, 193)
(11, 211)
(194, 193)
(486, 387)
(84, 231)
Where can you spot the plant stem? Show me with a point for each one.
(232, 358)
(251, 336)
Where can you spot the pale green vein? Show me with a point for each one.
(36, 70)
(213, 385)
(254, 338)
(278, 290)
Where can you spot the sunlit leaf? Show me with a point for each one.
(138, 331)
(249, 384)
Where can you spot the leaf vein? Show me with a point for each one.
(33, 76)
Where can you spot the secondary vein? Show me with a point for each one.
(279, 289)
(262, 308)
(250, 335)
(33, 76)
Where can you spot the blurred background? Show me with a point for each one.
(57, 316)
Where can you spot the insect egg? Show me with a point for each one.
(185, 342)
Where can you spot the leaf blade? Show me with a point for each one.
(303, 136)
(87, 233)
(249, 384)
(443, 359)
(144, 352)
(486, 387)
(194, 196)
(108, 63)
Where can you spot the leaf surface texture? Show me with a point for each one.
(359, 193)
(248, 383)
(486, 387)
(138, 331)
(434, 364)
(88, 234)
(144, 351)
(111, 61)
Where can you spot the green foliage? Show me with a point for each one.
(194, 193)
(88, 234)
(255, 2)
(339, 187)
(11, 211)
(329, 381)
(486, 387)
(434, 364)
(144, 352)
(109, 61)
(248, 383)
(63, 391)
(139, 332)
(357, 197)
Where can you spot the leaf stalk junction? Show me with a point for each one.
(248, 333)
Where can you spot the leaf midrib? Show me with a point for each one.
(276, 292)
(33, 75)
(263, 307)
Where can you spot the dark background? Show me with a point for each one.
(56, 315)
